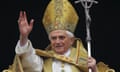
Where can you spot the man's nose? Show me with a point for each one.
(57, 40)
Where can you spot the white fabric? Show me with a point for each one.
(57, 65)
(30, 61)
(34, 63)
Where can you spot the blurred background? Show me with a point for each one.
(105, 31)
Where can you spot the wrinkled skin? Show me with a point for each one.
(60, 41)
(24, 27)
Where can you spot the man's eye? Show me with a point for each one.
(53, 38)
(62, 37)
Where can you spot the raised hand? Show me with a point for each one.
(24, 27)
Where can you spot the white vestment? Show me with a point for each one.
(34, 63)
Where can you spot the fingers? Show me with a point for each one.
(23, 22)
(90, 59)
(22, 16)
(31, 24)
(91, 62)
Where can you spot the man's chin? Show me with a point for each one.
(59, 51)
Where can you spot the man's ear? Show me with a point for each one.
(72, 40)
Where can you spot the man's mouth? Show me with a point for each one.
(58, 46)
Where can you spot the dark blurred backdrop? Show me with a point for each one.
(105, 31)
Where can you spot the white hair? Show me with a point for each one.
(70, 34)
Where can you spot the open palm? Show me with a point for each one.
(24, 27)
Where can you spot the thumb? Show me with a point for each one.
(31, 24)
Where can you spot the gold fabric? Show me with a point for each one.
(16, 66)
(48, 62)
(102, 67)
(77, 60)
(60, 14)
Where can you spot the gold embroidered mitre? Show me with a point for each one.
(60, 15)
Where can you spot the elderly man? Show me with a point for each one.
(61, 42)
(61, 38)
